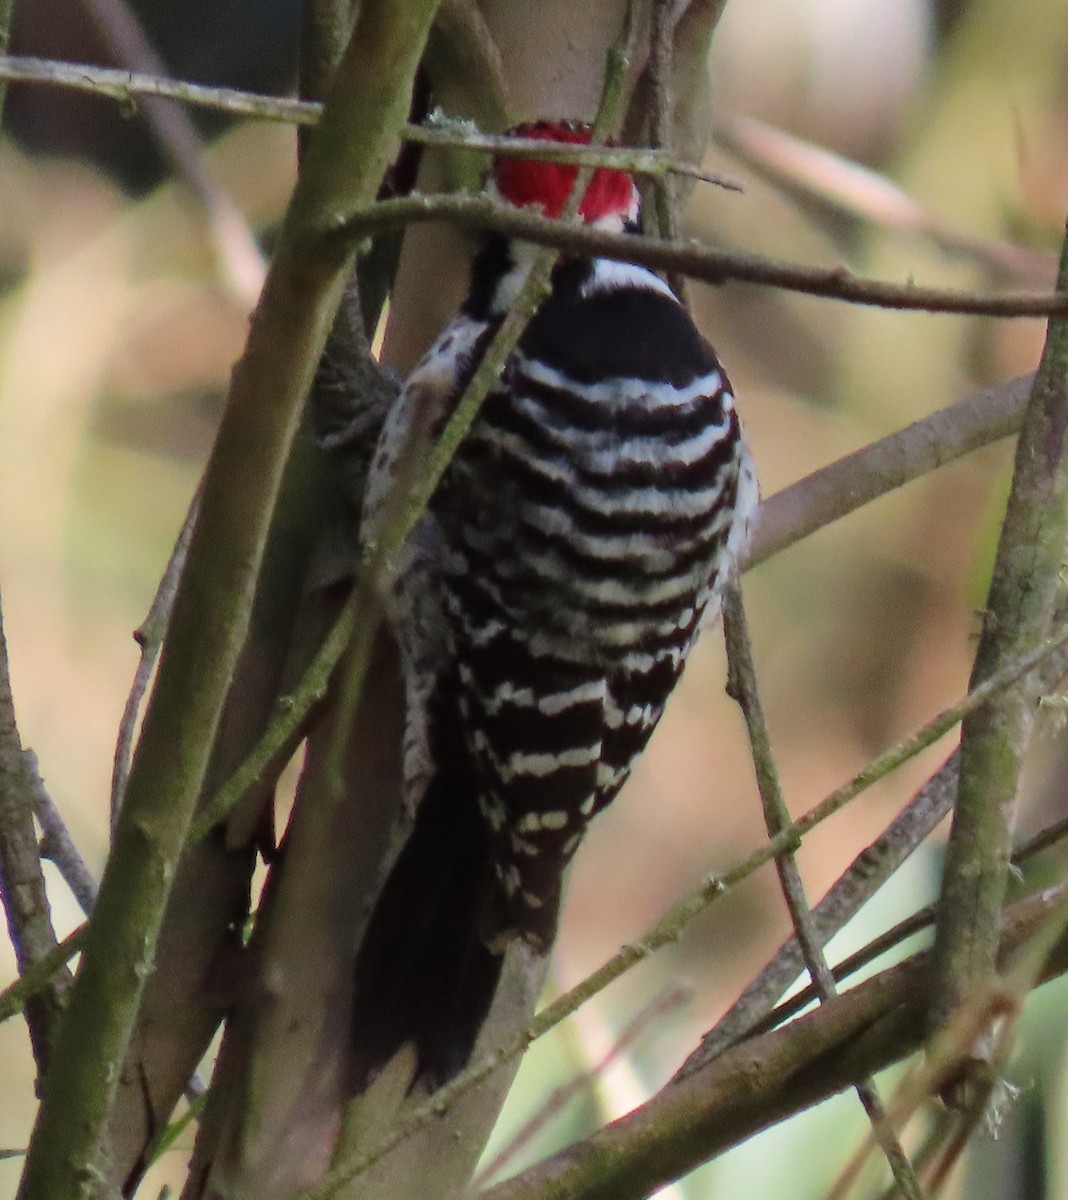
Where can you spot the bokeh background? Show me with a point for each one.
(121, 314)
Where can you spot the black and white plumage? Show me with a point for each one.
(545, 605)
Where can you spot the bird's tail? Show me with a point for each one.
(424, 974)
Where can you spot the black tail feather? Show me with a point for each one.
(424, 975)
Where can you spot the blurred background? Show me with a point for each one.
(123, 307)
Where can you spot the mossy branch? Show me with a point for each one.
(765, 1080)
(994, 741)
(762, 1081)
(344, 165)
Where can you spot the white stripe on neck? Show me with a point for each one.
(606, 275)
(504, 294)
(609, 276)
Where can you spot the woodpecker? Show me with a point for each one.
(545, 604)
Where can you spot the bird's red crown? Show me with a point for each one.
(547, 185)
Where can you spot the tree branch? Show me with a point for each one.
(149, 636)
(344, 166)
(742, 686)
(22, 886)
(837, 186)
(993, 742)
(461, 51)
(235, 247)
(124, 87)
(849, 483)
(661, 105)
(39, 975)
(56, 843)
(764, 1080)
(712, 265)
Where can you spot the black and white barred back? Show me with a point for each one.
(550, 598)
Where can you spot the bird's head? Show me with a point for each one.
(611, 200)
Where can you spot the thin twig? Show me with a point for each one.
(38, 976)
(1041, 841)
(849, 483)
(22, 885)
(940, 1129)
(743, 688)
(660, 1007)
(893, 937)
(235, 246)
(211, 613)
(989, 1006)
(280, 735)
(828, 181)
(57, 845)
(660, 126)
(653, 161)
(711, 264)
(149, 636)
(909, 747)
(755, 1008)
(126, 86)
